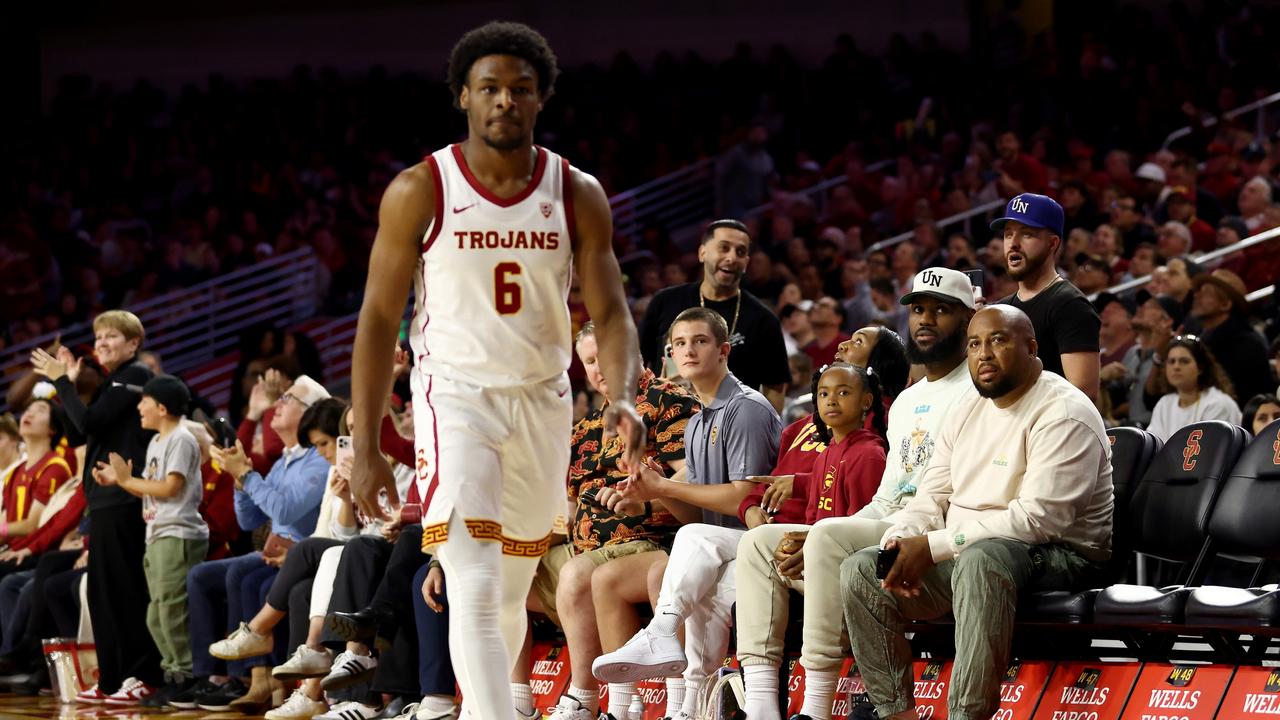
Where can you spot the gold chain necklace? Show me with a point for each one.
(702, 302)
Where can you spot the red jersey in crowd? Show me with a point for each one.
(55, 523)
(217, 507)
(845, 476)
(798, 448)
(34, 483)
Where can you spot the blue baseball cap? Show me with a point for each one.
(1031, 209)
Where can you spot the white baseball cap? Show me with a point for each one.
(1151, 171)
(942, 283)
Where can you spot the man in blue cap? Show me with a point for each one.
(1066, 325)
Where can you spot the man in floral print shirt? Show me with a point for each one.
(609, 550)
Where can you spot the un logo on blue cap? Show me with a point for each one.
(1018, 205)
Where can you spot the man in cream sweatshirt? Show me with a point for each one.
(1018, 496)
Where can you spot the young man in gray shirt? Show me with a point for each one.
(177, 536)
(733, 438)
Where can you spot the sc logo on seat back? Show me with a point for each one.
(1192, 449)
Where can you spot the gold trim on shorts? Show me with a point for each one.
(487, 531)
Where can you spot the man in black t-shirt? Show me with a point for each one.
(1066, 325)
(759, 357)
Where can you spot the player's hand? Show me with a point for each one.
(433, 589)
(391, 529)
(275, 561)
(82, 562)
(621, 419)
(914, 560)
(370, 476)
(779, 490)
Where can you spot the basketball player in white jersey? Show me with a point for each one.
(488, 231)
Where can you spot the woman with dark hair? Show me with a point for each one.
(1260, 411)
(1201, 390)
(34, 482)
(886, 354)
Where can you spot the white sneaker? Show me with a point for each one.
(419, 711)
(304, 663)
(132, 692)
(297, 707)
(351, 711)
(680, 715)
(349, 669)
(242, 643)
(646, 655)
(533, 714)
(570, 709)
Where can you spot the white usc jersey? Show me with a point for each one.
(492, 289)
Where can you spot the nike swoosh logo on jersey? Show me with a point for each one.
(464, 207)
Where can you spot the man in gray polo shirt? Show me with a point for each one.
(734, 437)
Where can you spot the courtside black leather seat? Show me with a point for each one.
(1169, 516)
(1245, 522)
(1132, 451)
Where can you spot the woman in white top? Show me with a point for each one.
(1201, 390)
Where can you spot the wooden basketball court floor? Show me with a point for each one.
(14, 707)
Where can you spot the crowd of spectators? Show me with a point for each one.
(261, 522)
(118, 194)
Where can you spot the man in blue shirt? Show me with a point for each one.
(289, 497)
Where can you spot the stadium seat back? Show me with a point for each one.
(1172, 505)
(1245, 517)
(1132, 451)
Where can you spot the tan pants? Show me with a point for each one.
(763, 602)
(547, 579)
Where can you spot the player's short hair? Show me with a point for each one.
(122, 320)
(502, 38)
(719, 328)
(588, 330)
(725, 223)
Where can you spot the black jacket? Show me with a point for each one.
(109, 423)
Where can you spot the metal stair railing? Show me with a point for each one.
(1260, 123)
(194, 326)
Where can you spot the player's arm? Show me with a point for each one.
(407, 208)
(602, 291)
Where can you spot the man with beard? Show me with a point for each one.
(990, 519)
(1066, 325)
(940, 305)
(759, 357)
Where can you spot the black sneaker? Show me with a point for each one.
(220, 698)
(186, 699)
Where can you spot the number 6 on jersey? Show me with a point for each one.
(506, 291)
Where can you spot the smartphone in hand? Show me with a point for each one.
(884, 562)
(345, 450)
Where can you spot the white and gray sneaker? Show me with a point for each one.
(242, 643)
(351, 711)
(304, 663)
(646, 655)
(349, 669)
(297, 707)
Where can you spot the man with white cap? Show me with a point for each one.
(939, 307)
(1066, 325)
(289, 496)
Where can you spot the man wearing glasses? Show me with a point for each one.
(289, 496)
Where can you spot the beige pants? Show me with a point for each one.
(763, 602)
